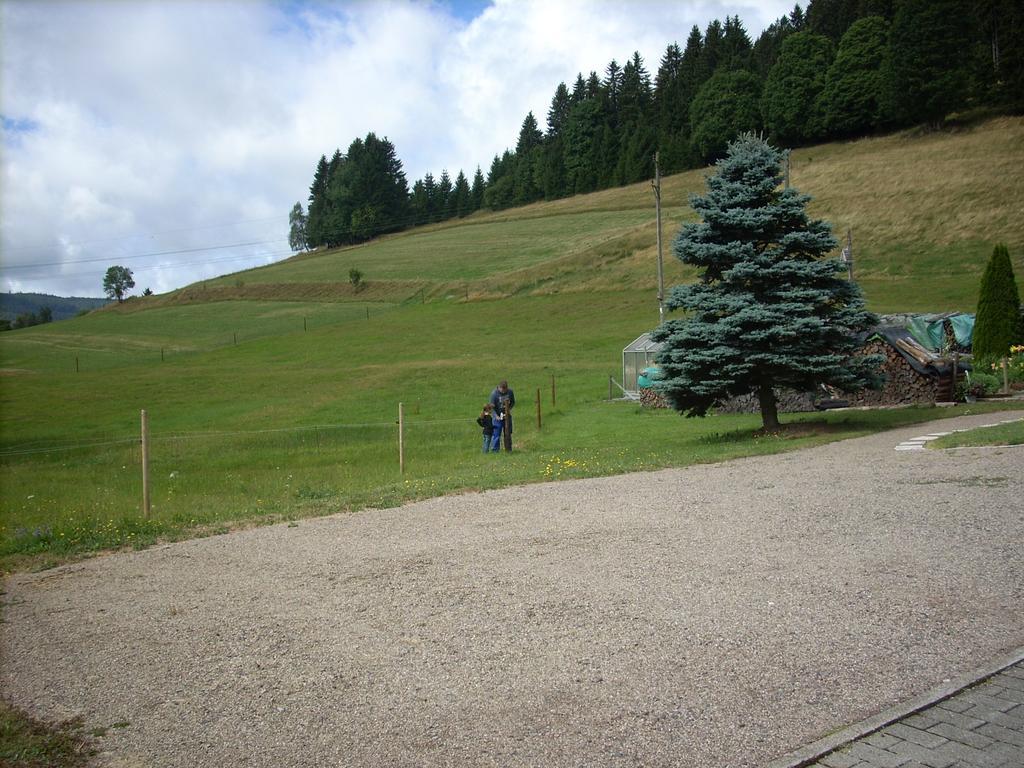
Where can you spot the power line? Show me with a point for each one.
(136, 270)
(148, 234)
(143, 255)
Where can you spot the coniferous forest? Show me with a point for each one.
(839, 69)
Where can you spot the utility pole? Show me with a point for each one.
(787, 168)
(657, 205)
(846, 256)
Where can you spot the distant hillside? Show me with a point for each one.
(14, 304)
(925, 209)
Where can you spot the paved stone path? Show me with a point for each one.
(982, 726)
(918, 443)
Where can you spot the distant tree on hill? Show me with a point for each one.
(499, 191)
(725, 106)
(444, 197)
(853, 97)
(462, 196)
(117, 282)
(790, 102)
(997, 323)
(581, 146)
(367, 194)
(477, 191)
(316, 233)
(297, 228)
(768, 309)
(355, 277)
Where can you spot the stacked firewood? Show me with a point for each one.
(950, 344)
(903, 384)
(651, 398)
(787, 401)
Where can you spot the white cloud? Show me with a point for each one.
(138, 128)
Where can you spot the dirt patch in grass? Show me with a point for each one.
(28, 743)
(802, 429)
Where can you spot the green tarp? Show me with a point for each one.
(931, 336)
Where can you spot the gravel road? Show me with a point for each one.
(716, 615)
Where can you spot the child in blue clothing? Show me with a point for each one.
(486, 421)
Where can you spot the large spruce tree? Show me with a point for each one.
(768, 310)
(997, 323)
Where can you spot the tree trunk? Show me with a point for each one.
(769, 409)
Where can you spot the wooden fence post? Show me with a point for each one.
(1006, 380)
(609, 387)
(401, 439)
(145, 464)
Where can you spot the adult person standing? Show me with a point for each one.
(502, 401)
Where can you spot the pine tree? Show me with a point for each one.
(768, 310)
(712, 48)
(579, 89)
(499, 191)
(558, 113)
(337, 210)
(525, 188)
(735, 50)
(430, 198)
(315, 225)
(997, 322)
(635, 96)
(611, 88)
(477, 192)
(444, 196)
(462, 196)
(790, 102)
(418, 208)
(581, 150)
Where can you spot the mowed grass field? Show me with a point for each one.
(273, 394)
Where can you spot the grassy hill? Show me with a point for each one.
(284, 404)
(924, 208)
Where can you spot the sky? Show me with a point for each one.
(174, 136)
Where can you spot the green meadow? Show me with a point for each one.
(273, 394)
